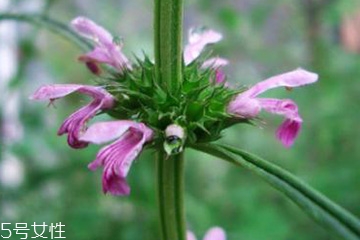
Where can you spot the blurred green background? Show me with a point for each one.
(44, 180)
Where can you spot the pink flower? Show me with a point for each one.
(215, 233)
(217, 63)
(106, 50)
(247, 105)
(197, 42)
(118, 156)
(75, 124)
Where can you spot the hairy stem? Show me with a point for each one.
(170, 182)
(168, 19)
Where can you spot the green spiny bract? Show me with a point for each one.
(199, 106)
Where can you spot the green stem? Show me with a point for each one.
(168, 19)
(51, 24)
(312, 202)
(170, 182)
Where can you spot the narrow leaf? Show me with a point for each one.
(51, 24)
(316, 205)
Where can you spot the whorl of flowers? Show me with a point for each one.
(145, 115)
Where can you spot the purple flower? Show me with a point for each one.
(118, 156)
(197, 41)
(107, 50)
(75, 124)
(217, 63)
(247, 105)
(215, 233)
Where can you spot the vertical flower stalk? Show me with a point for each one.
(170, 182)
(168, 19)
(168, 22)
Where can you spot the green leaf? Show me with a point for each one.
(160, 95)
(195, 111)
(49, 23)
(316, 205)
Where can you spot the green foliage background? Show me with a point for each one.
(261, 39)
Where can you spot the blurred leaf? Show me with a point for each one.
(49, 23)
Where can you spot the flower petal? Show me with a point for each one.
(247, 104)
(290, 128)
(118, 156)
(54, 91)
(102, 132)
(91, 30)
(205, 36)
(251, 107)
(116, 185)
(215, 233)
(220, 77)
(93, 67)
(197, 41)
(75, 124)
(190, 236)
(215, 63)
(244, 107)
(107, 50)
(288, 132)
(96, 55)
(119, 60)
(296, 78)
(111, 55)
(284, 107)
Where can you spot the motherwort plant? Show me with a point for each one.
(179, 100)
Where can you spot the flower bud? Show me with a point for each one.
(174, 139)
